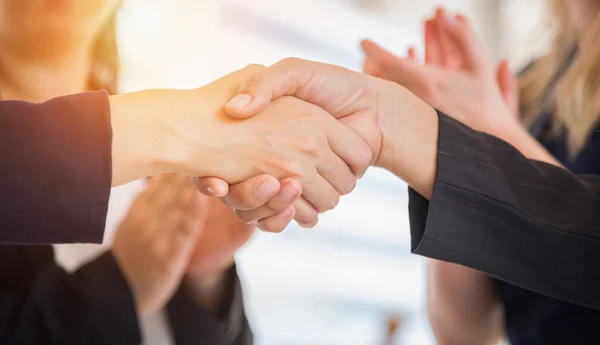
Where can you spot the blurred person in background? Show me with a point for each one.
(557, 99)
(176, 286)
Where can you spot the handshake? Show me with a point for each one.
(283, 142)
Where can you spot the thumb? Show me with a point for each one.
(212, 186)
(285, 78)
(508, 85)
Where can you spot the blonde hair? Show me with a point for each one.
(573, 92)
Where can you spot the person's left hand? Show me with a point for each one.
(457, 77)
(223, 234)
(207, 275)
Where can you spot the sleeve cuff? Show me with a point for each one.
(117, 304)
(190, 322)
(59, 189)
(477, 219)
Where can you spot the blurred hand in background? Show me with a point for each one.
(155, 241)
(457, 77)
(208, 273)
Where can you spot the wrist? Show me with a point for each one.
(137, 141)
(160, 131)
(409, 128)
(209, 290)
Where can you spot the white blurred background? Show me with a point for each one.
(341, 282)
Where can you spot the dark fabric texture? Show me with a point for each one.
(56, 172)
(192, 325)
(531, 318)
(524, 222)
(40, 303)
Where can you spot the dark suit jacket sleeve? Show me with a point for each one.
(91, 306)
(56, 169)
(193, 325)
(528, 223)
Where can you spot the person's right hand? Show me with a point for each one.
(154, 242)
(288, 139)
(384, 114)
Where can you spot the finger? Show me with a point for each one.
(288, 77)
(451, 57)
(189, 227)
(321, 194)
(396, 69)
(412, 54)
(279, 221)
(433, 54)
(212, 186)
(290, 191)
(468, 44)
(252, 193)
(164, 188)
(306, 215)
(370, 67)
(508, 85)
(350, 154)
(176, 210)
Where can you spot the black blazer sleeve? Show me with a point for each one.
(56, 169)
(193, 325)
(528, 223)
(40, 303)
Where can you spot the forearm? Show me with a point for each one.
(147, 140)
(462, 306)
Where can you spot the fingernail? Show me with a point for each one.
(214, 192)
(265, 190)
(288, 192)
(239, 101)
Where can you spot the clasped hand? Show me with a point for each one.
(342, 122)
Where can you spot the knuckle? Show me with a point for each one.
(291, 168)
(245, 198)
(255, 67)
(364, 158)
(290, 61)
(306, 218)
(309, 145)
(348, 187)
(269, 227)
(243, 216)
(330, 203)
(252, 83)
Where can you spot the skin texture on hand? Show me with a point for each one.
(154, 242)
(162, 131)
(385, 115)
(262, 198)
(199, 139)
